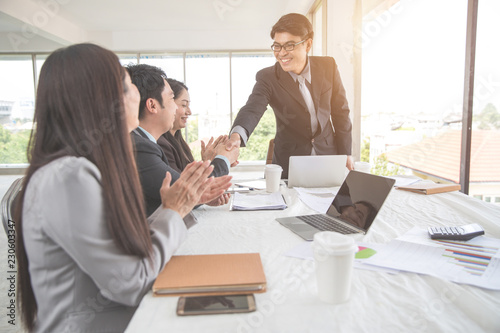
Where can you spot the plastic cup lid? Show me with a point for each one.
(273, 167)
(334, 243)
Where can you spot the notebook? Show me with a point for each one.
(211, 274)
(352, 211)
(316, 170)
(430, 188)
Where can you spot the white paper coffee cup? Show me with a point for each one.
(362, 166)
(334, 258)
(273, 177)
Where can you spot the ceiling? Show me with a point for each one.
(126, 25)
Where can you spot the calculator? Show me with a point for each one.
(462, 232)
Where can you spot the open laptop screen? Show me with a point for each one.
(360, 198)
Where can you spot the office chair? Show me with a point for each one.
(270, 151)
(9, 201)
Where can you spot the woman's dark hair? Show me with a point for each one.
(185, 152)
(295, 24)
(177, 87)
(80, 112)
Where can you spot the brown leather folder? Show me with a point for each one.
(211, 274)
(430, 188)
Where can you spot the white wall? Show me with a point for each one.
(142, 26)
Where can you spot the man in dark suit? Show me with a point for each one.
(306, 94)
(156, 116)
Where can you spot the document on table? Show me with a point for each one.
(251, 201)
(404, 180)
(475, 262)
(259, 184)
(318, 199)
(365, 250)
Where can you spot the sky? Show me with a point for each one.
(414, 58)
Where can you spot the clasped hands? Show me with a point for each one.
(214, 148)
(219, 147)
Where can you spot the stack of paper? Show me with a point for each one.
(259, 184)
(252, 201)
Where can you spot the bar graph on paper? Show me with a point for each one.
(473, 259)
(476, 262)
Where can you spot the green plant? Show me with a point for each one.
(13, 146)
(365, 151)
(382, 167)
(258, 144)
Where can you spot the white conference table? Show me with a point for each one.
(380, 302)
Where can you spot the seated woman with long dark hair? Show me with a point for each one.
(177, 150)
(86, 253)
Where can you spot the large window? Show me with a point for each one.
(126, 59)
(319, 26)
(17, 100)
(485, 149)
(243, 70)
(413, 88)
(219, 85)
(172, 64)
(207, 77)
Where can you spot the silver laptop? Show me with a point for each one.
(352, 211)
(316, 170)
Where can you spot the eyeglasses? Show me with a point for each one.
(288, 46)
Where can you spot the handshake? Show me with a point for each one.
(228, 147)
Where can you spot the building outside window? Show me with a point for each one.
(17, 104)
(412, 92)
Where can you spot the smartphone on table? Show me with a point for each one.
(200, 305)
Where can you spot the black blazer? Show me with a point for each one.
(277, 88)
(152, 166)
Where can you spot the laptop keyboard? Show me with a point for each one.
(323, 223)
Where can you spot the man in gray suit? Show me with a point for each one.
(306, 94)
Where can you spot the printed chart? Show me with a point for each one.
(364, 252)
(475, 262)
(473, 259)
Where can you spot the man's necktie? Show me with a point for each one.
(309, 102)
(310, 106)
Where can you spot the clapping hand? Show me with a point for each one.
(209, 151)
(187, 191)
(216, 189)
(222, 200)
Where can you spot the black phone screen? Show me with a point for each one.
(216, 304)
